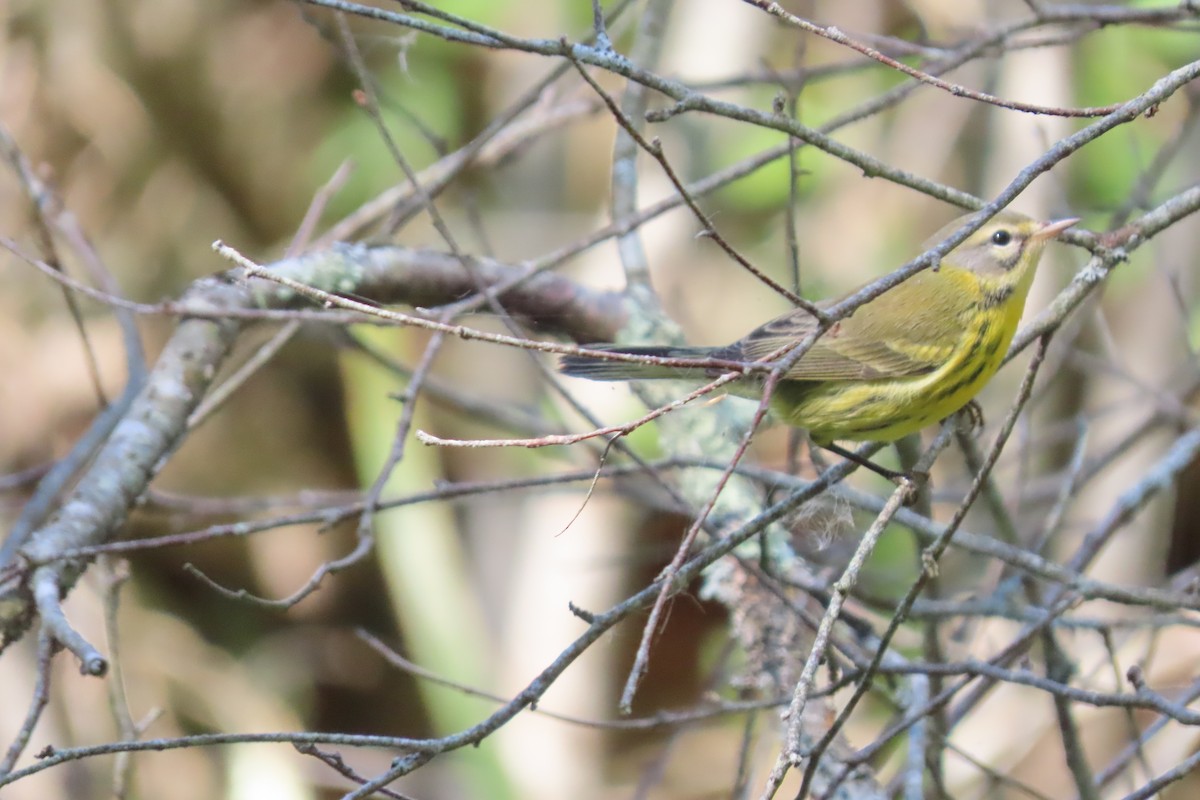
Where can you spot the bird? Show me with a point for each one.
(910, 357)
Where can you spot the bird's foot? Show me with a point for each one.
(971, 418)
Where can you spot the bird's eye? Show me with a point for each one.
(1001, 237)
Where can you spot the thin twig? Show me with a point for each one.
(835, 35)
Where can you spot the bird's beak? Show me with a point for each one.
(1052, 229)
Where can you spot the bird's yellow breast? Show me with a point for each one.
(890, 408)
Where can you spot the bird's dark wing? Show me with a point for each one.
(911, 330)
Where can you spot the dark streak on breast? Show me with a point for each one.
(995, 297)
(964, 381)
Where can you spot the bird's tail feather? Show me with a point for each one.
(599, 369)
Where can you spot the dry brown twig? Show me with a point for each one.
(347, 286)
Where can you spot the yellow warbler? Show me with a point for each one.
(912, 356)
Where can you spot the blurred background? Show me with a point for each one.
(165, 125)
